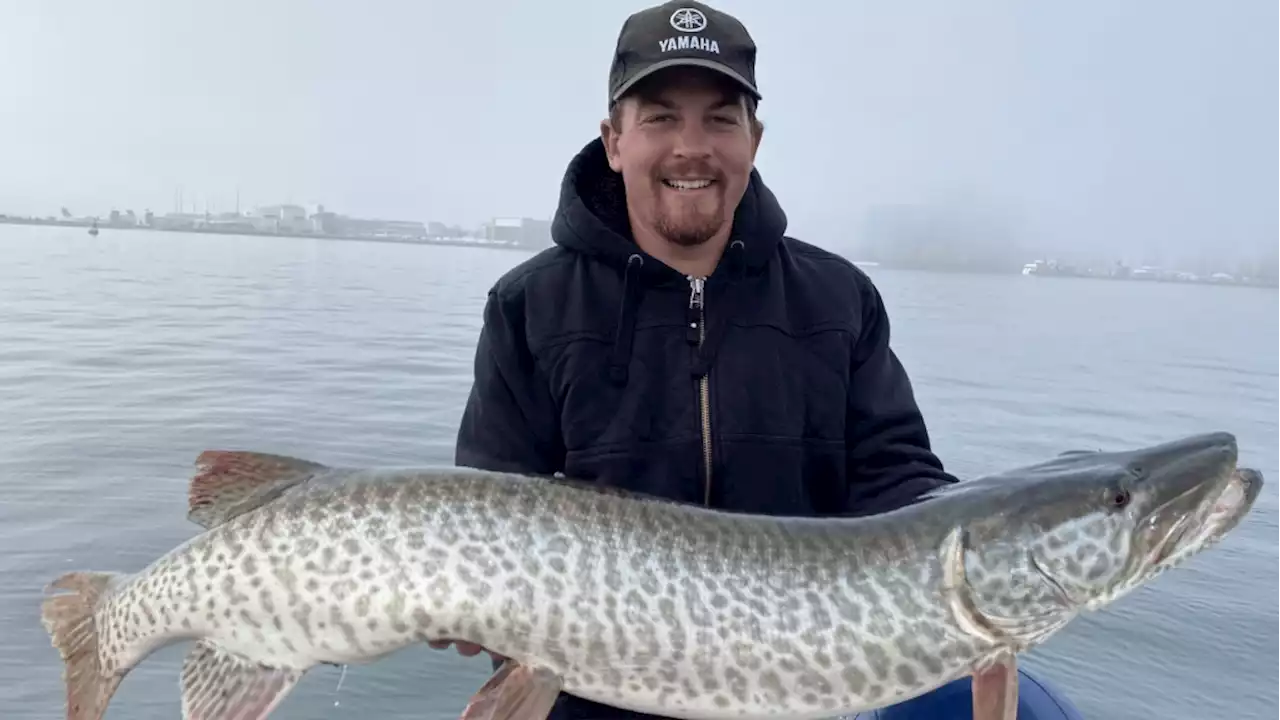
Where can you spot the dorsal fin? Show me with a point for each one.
(232, 482)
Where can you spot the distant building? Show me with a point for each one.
(437, 229)
(328, 223)
(177, 221)
(280, 218)
(945, 236)
(521, 232)
(230, 222)
(325, 223)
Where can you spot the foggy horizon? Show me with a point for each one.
(1134, 128)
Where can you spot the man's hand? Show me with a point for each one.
(465, 649)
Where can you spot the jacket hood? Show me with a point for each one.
(592, 217)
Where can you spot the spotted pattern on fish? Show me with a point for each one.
(654, 604)
(640, 603)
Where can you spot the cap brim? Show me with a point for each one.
(686, 62)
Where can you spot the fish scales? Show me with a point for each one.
(639, 603)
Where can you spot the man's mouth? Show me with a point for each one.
(688, 183)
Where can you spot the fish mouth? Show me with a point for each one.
(1217, 514)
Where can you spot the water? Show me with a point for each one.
(122, 358)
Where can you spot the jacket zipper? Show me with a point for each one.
(697, 322)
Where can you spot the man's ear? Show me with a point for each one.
(609, 137)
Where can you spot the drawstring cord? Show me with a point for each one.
(620, 358)
(625, 332)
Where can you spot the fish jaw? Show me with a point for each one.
(1081, 531)
(1218, 513)
(1184, 527)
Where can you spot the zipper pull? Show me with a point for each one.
(693, 334)
(695, 291)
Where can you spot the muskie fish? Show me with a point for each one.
(632, 601)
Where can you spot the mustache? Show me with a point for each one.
(690, 170)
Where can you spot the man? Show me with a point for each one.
(674, 341)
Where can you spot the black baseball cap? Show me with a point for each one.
(682, 33)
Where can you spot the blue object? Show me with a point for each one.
(1037, 700)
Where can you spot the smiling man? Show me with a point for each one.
(682, 131)
(675, 341)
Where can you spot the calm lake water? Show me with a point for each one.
(123, 357)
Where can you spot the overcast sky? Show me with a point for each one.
(1094, 122)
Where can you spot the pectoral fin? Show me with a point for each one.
(995, 690)
(514, 692)
(217, 684)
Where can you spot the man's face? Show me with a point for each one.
(685, 147)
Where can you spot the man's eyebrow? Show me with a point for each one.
(657, 102)
(652, 102)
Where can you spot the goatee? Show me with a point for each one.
(688, 234)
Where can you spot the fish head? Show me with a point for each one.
(1093, 526)
(1087, 528)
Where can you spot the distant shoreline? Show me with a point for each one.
(491, 245)
(103, 227)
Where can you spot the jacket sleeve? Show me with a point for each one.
(889, 459)
(510, 422)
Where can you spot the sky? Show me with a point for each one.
(1135, 125)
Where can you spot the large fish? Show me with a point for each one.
(637, 602)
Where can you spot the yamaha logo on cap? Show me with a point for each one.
(689, 20)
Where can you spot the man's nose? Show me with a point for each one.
(692, 141)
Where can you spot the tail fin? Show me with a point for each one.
(69, 620)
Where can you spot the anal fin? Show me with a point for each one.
(995, 689)
(219, 685)
(514, 692)
(228, 483)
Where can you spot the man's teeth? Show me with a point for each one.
(687, 184)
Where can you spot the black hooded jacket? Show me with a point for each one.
(592, 362)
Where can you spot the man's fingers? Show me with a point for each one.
(465, 649)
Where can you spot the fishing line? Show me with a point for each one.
(338, 689)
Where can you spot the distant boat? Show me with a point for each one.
(94, 229)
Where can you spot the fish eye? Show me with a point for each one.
(1119, 498)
